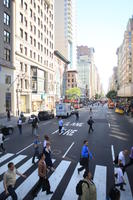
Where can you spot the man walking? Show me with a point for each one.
(120, 177)
(2, 142)
(34, 126)
(90, 123)
(20, 125)
(8, 115)
(10, 180)
(86, 155)
(36, 149)
(60, 125)
(121, 159)
(43, 180)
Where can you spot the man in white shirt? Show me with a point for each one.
(121, 158)
(120, 178)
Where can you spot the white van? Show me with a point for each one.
(63, 110)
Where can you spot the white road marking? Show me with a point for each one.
(55, 132)
(24, 149)
(100, 181)
(67, 150)
(109, 125)
(5, 157)
(113, 154)
(27, 185)
(55, 179)
(6, 139)
(15, 161)
(70, 192)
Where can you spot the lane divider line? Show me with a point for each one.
(68, 150)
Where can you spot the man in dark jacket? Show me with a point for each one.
(90, 123)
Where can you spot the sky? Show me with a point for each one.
(101, 24)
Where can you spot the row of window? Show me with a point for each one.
(6, 19)
(7, 54)
(33, 55)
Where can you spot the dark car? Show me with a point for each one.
(30, 120)
(6, 130)
(44, 115)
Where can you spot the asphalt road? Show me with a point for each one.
(112, 133)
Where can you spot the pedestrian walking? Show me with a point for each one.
(120, 182)
(86, 155)
(20, 125)
(9, 181)
(130, 159)
(90, 123)
(122, 159)
(60, 125)
(34, 126)
(2, 138)
(88, 188)
(43, 179)
(77, 115)
(46, 139)
(36, 148)
(8, 115)
(48, 159)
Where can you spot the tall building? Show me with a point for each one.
(7, 66)
(30, 25)
(125, 63)
(83, 69)
(65, 29)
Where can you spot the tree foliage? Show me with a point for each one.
(111, 94)
(73, 93)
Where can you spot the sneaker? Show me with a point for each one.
(50, 192)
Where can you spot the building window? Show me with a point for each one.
(21, 17)
(7, 3)
(25, 49)
(21, 66)
(26, 84)
(25, 21)
(25, 6)
(31, 40)
(30, 53)
(34, 30)
(26, 36)
(6, 36)
(21, 48)
(26, 69)
(8, 79)
(72, 80)
(34, 55)
(68, 80)
(34, 42)
(8, 100)
(6, 19)
(31, 13)
(21, 32)
(7, 54)
(22, 3)
(21, 83)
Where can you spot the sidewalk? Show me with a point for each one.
(12, 122)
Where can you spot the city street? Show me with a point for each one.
(112, 133)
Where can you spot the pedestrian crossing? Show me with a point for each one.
(25, 186)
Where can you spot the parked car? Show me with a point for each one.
(30, 120)
(44, 115)
(6, 130)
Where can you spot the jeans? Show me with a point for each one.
(36, 154)
(34, 131)
(90, 128)
(2, 147)
(60, 128)
(85, 165)
(20, 129)
(120, 185)
(12, 193)
(42, 183)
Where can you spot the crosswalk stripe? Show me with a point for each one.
(15, 161)
(100, 181)
(28, 184)
(5, 157)
(127, 194)
(22, 169)
(55, 179)
(70, 192)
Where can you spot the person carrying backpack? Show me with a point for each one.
(90, 123)
(86, 189)
(2, 138)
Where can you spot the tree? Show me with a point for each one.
(111, 94)
(73, 93)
